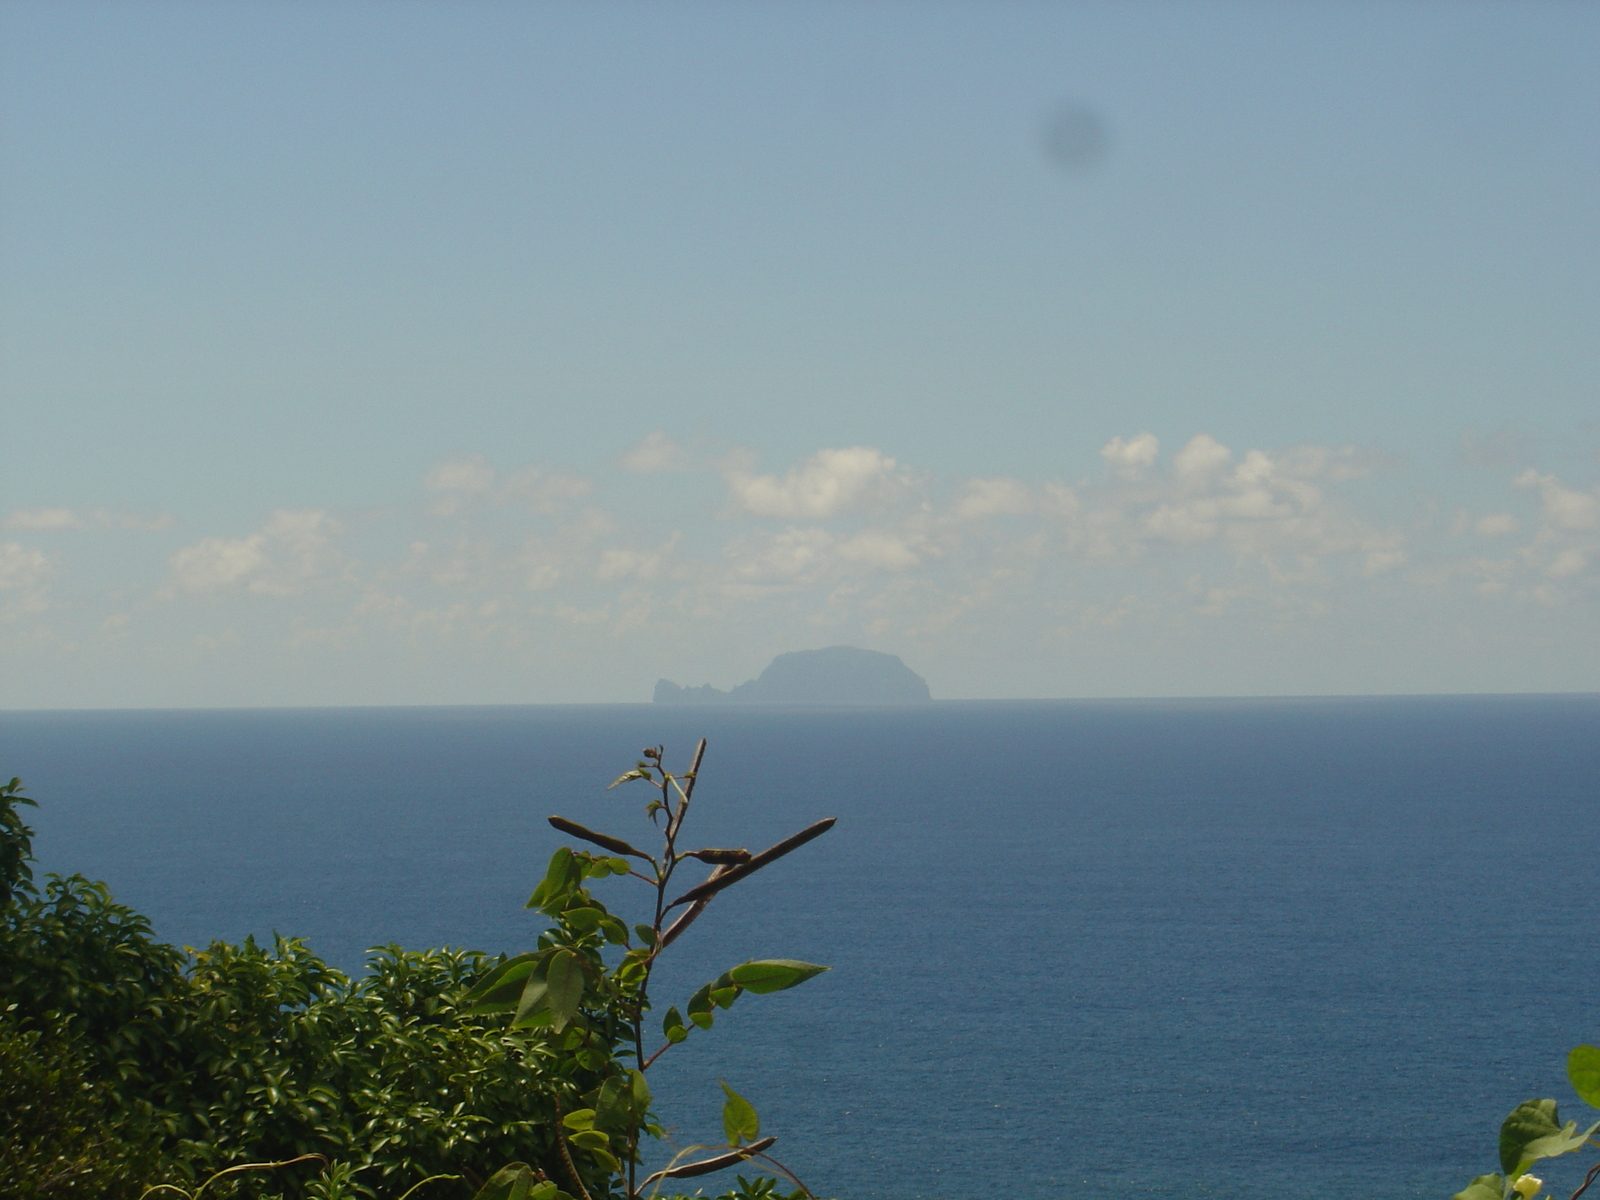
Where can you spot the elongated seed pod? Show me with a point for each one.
(604, 840)
(720, 856)
(717, 882)
(707, 1165)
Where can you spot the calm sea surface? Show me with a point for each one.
(1268, 950)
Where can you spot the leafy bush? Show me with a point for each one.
(127, 1060)
(244, 1053)
(62, 1134)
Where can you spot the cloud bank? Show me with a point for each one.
(1199, 563)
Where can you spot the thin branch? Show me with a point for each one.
(428, 1180)
(683, 922)
(1594, 1172)
(561, 1145)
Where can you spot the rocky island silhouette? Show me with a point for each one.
(836, 675)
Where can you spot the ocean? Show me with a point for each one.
(1262, 949)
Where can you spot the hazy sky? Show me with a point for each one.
(477, 353)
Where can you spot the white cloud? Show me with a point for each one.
(656, 453)
(1131, 456)
(216, 563)
(44, 519)
(49, 519)
(1564, 508)
(621, 563)
(1567, 563)
(993, 498)
(885, 551)
(795, 555)
(1201, 457)
(22, 566)
(830, 483)
(457, 481)
(544, 490)
(291, 550)
(851, 541)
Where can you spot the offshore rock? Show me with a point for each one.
(837, 675)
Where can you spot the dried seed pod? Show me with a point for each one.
(707, 1165)
(733, 857)
(604, 840)
(717, 882)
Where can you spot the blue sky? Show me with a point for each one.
(471, 353)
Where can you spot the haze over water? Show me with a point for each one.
(1271, 950)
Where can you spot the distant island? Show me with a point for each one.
(837, 675)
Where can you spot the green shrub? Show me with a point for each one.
(62, 1134)
(247, 1054)
(128, 1062)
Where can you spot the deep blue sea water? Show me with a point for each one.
(1268, 950)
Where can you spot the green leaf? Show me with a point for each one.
(1527, 1123)
(514, 1181)
(645, 934)
(560, 878)
(773, 974)
(535, 995)
(579, 1118)
(546, 1191)
(636, 773)
(614, 930)
(739, 1120)
(1534, 1131)
(564, 980)
(638, 1092)
(1484, 1187)
(700, 1007)
(606, 1159)
(584, 920)
(590, 1139)
(1583, 1069)
(672, 1021)
(498, 990)
(619, 866)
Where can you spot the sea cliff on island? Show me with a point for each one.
(837, 675)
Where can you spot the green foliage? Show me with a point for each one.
(589, 1010)
(1533, 1131)
(246, 1070)
(1583, 1072)
(739, 1120)
(16, 841)
(61, 1134)
(188, 1064)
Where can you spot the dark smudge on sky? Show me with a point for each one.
(1075, 137)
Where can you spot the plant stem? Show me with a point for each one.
(1587, 1180)
(566, 1155)
(787, 1172)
